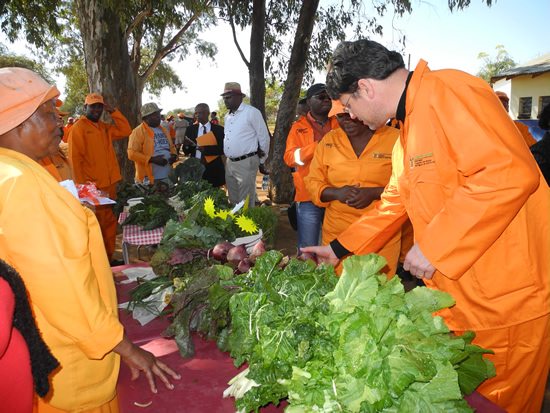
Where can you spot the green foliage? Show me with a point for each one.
(9, 59)
(153, 212)
(492, 66)
(362, 345)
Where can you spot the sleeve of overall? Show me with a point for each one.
(122, 128)
(77, 152)
(258, 124)
(135, 146)
(316, 181)
(292, 144)
(48, 236)
(496, 173)
(377, 226)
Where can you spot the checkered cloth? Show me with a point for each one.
(135, 235)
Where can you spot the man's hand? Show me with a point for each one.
(188, 142)
(324, 254)
(200, 149)
(140, 360)
(263, 170)
(261, 153)
(158, 160)
(106, 106)
(173, 158)
(364, 197)
(417, 264)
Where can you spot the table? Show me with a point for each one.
(204, 376)
(135, 235)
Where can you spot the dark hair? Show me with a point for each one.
(544, 118)
(214, 113)
(205, 106)
(352, 61)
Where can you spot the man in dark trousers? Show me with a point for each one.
(215, 171)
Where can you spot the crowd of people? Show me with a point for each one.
(425, 168)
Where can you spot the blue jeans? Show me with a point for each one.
(310, 218)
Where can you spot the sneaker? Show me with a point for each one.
(116, 263)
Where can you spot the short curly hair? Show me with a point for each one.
(544, 118)
(352, 61)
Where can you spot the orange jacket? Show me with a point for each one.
(475, 197)
(335, 164)
(141, 146)
(58, 166)
(91, 150)
(56, 246)
(301, 137)
(524, 130)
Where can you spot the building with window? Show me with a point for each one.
(529, 87)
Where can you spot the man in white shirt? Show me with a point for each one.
(246, 145)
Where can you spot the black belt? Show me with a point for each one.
(240, 158)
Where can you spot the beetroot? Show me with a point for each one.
(308, 256)
(220, 251)
(244, 265)
(236, 254)
(257, 251)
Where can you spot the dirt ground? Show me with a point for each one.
(285, 236)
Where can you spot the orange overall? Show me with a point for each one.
(335, 164)
(93, 159)
(479, 207)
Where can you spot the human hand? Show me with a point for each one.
(417, 264)
(106, 106)
(200, 149)
(188, 142)
(324, 254)
(140, 360)
(263, 169)
(364, 197)
(173, 158)
(158, 160)
(86, 204)
(261, 153)
(346, 192)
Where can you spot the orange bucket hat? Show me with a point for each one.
(22, 91)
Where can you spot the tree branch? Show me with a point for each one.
(232, 24)
(170, 46)
(144, 13)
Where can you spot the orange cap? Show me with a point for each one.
(337, 108)
(59, 113)
(22, 91)
(94, 98)
(502, 96)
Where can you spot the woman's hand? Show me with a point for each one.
(364, 197)
(140, 360)
(324, 254)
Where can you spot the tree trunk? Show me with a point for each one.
(281, 187)
(103, 38)
(256, 72)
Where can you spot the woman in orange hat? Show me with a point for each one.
(56, 246)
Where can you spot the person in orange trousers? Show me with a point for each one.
(348, 172)
(93, 158)
(55, 245)
(477, 202)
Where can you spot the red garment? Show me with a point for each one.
(16, 382)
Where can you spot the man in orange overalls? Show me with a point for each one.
(476, 199)
(93, 159)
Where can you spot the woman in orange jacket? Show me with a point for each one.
(348, 172)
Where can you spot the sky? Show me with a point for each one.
(442, 38)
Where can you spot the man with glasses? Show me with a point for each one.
(302, 140)
(477, 201)
(246, 145)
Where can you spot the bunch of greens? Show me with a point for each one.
(363, 346)
(189, 170)
(129, 191)
(153, 212)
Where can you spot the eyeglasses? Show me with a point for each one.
(346, 107)
(322, 97)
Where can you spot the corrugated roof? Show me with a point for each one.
(533, 67)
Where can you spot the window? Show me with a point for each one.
(543, 102)
(524, 111)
